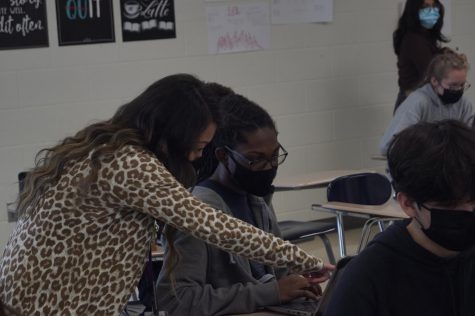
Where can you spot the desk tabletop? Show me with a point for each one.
(312, 180)
(389, 209)
(379, 157)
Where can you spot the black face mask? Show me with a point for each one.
(255, 182)
(451, 96)
(453, 230)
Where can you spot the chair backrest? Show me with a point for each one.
(21, 180)
(362, 188)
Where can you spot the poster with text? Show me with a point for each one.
(147, 19)
(238, 28)
(301, 11)
(23, 24)
(84, 22)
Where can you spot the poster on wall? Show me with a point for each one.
(238, 28)
(84, 22)
(23, 24)
(147, 19)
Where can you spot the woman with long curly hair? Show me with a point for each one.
(88, 207)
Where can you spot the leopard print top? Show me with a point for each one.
(72, 256)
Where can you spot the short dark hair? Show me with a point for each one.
(434, 162)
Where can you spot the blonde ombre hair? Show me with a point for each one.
(443, 63)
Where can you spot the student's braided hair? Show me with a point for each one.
(239, 116)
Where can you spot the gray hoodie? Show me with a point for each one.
(424, 105)
(210, 281)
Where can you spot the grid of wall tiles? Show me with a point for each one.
(330, 87)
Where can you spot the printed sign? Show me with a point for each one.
(84, 21)
(238, 28)
(23, 24)
(147, 19)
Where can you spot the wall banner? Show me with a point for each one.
(147, 19)
(23, 24)
(84, 22)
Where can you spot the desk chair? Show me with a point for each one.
(12, 207)
(361, 188)
(368, 226)
(297, 231)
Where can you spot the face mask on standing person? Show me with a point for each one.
(429, 17)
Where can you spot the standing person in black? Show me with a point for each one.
(416, 41)
(424, 265)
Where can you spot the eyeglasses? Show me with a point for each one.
(464, 86)
(260, 164)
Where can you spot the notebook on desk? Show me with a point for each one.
(302, 307)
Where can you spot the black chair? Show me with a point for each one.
(362, 188)
(12, 207)
(367, 188)
(299, 231)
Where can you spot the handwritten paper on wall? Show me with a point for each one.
(301, 11)
(238, 28)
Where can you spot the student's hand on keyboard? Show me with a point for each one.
(293, 286)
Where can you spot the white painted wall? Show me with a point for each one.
(330, 87)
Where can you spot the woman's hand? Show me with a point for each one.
(315, 277)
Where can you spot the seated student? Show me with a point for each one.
(441, 97)
(424, 265)
(206, 280)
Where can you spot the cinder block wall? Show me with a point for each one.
(330, 87)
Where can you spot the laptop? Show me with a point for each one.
(302, 307)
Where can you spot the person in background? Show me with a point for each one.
(424, 265)
(416, 41)
(88, 208)
(441, 97)
(206, 280)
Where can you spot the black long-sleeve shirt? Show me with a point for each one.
(416, 52)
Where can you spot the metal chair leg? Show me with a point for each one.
(341, 234)
(366, 234)
(328, 248)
